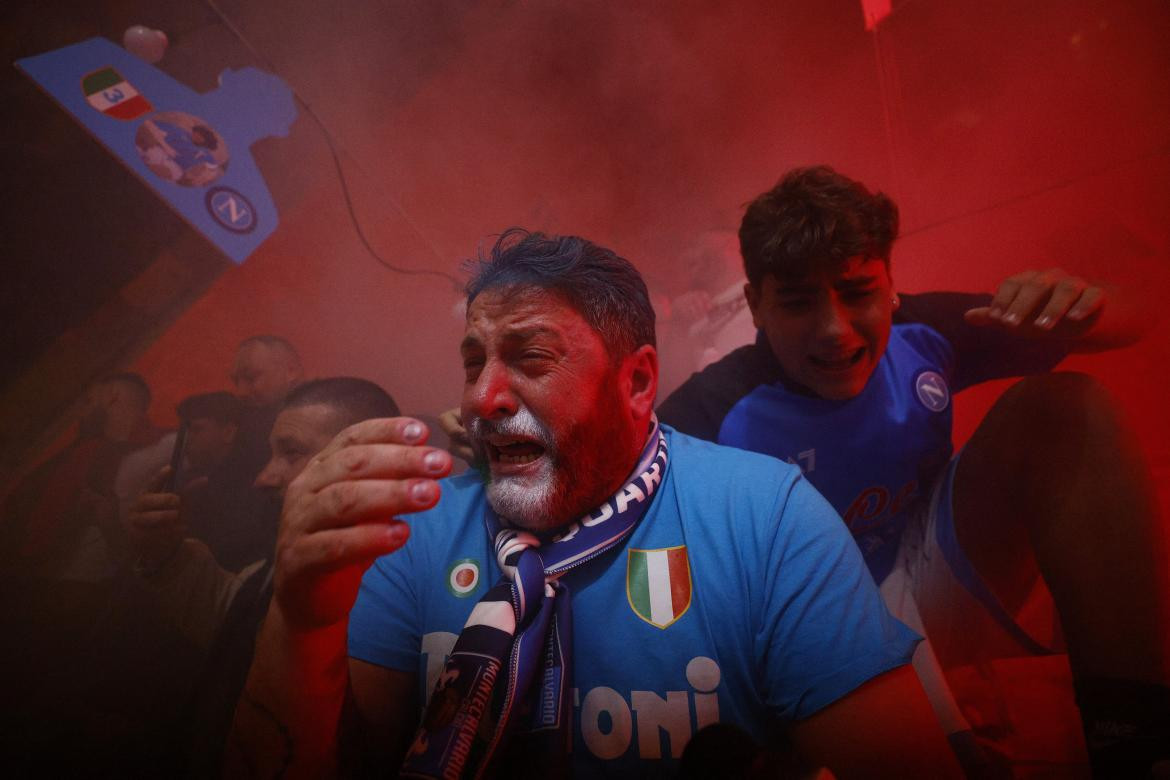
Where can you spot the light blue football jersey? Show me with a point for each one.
(740, 597)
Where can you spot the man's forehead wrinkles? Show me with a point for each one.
(517, 323)
(522, 333)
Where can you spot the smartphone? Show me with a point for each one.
(178, 455)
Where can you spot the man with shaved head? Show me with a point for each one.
(266, 370)
(267, 367)
(309, 418)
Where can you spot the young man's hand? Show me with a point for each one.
(1041, 303)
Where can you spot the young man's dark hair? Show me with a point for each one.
(221, 406)
(814, 220)
(355, 399)
(606, 289)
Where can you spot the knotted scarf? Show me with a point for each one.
(509, 674)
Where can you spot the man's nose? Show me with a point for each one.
(491, 395)
(269, 476)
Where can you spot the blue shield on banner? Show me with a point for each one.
(193, 149)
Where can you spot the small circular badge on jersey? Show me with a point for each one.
(932, 390)
(462, 577)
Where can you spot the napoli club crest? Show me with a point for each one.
(932, 391)
(658, 584)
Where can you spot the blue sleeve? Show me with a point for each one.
(384, 624)
(825, 629)
(700, 404)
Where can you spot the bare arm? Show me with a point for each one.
(339, 515)
(386, 709)
(885, 728)
(1055, 304)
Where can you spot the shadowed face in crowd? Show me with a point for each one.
(543, 404)
(112, 410)
(209, 441)
(263, 374)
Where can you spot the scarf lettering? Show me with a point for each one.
(508, 675)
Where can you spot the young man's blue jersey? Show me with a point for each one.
(739, 598)
(874, 456)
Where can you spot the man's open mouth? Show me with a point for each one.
(838, 362)
(513, 451)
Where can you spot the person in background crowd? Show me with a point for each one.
(92, 680)
(220, 610)
(221, 506)
(267, 367)
(213, 425)
(61, 520)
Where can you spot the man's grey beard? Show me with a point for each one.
(525, 501)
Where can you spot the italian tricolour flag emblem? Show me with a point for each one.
(658, 584)
(113, 95)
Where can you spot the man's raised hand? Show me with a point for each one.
(341, 512)
(153, 524)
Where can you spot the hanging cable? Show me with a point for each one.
(1159, 152)
(340, 171)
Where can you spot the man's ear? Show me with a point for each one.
(752, 293)
(641, 370)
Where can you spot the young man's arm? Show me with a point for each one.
(885, 728)
(339, 515)
(1089, 317)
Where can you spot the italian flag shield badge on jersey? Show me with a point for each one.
(113, 95)
(658, 584)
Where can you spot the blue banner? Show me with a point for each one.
(193, 150)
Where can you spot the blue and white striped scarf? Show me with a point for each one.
(510, 672)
